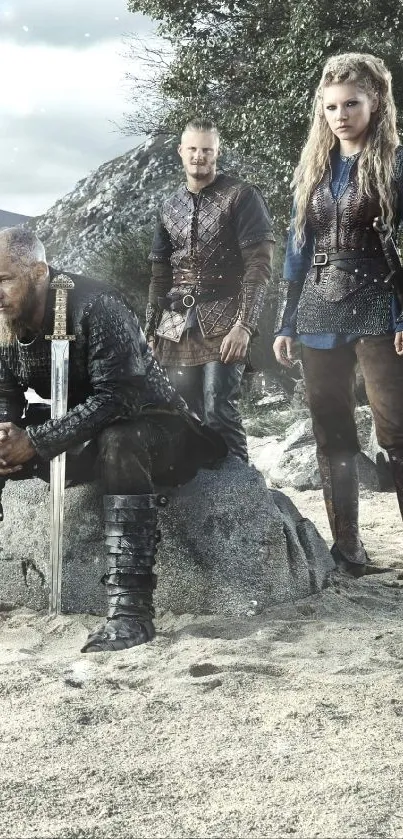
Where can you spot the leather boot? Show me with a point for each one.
(340, 482)
(396, 468)
(132, 537)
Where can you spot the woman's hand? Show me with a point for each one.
(283, 349)
(399, 343)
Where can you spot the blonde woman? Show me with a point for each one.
(337, 299)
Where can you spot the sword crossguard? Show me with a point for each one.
(61, 285)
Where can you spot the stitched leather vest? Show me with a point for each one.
(346, 295)
(204, 248)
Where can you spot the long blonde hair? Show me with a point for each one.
(376, 161)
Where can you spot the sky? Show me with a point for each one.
(63, 95)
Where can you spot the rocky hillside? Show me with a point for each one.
(121, 196)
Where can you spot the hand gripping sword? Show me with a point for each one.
(59, 394)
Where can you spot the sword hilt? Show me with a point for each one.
(61, 285)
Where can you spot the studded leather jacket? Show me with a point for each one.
(199, 249)
(112, 373)
(346, 289)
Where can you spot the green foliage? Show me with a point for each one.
(123, 261)
(253, 65)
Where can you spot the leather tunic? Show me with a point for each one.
(112, 373)
(202, 239)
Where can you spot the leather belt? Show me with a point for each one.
(351, 262)
(320, 259)
(178, 302)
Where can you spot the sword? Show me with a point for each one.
(392, 256)
(59, 394)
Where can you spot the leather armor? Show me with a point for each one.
(346, 290)
(112, 373)
(206, 260)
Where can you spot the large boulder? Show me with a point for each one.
(229, 545)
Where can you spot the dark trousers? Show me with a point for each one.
(330, 378)
(128, 457)
(212, 390)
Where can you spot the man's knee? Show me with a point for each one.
(118, 444)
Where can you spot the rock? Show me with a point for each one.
(380, 458)
(292, 461)
(229, 545)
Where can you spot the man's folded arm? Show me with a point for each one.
(116, 372)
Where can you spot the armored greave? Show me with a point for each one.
(339, 474)
(132, 537)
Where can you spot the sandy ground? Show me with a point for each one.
(289, 724)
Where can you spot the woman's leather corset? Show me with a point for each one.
(348, 269)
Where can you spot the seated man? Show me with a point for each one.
(125, 422)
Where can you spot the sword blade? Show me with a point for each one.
(59, 393)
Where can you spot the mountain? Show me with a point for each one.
(121, 196)
(12, 219)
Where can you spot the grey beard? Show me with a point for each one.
(13, 328)
(8, 331)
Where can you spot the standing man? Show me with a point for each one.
(211, 263)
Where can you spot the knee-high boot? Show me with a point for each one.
(131, 536)
(340, 482)
(396, 468)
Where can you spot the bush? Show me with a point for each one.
(123, 261)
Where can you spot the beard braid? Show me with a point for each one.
(13, 328)
(7, 331)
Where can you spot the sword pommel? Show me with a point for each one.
(61, 284)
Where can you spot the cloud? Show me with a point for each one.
(65, 79)
(68, 22)
(61, 107)
(36, 173)
(62, 94)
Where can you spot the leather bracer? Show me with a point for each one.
(153, 315)
(251, 305)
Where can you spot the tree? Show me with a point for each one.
(123, 261)
(253, 65)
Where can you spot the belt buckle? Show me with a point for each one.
(188, 301)
(320, 259)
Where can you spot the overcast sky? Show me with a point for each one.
(62, 66)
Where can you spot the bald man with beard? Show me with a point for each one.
(125, 425)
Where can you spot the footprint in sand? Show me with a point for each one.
(255, 668)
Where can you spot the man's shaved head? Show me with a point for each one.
(203, 125)
(22, 246)
(23, 282)
(199, 149)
